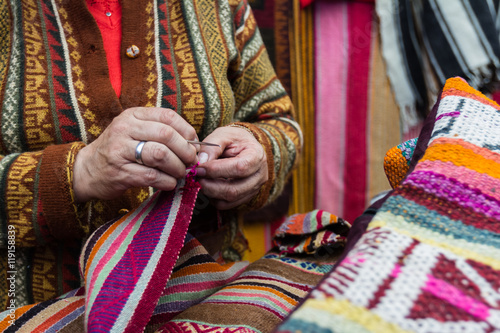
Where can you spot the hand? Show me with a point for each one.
(106, 168)
(235, 172)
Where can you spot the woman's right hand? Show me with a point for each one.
(106, 168)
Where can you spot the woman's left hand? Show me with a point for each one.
(234, 173)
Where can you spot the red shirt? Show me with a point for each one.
(108, 15)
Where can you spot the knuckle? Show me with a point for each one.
(242, 166)
(151, 176)
(167, 116)
(166, 133)
(158, 154)
(231, 193)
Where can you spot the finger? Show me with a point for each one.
(168, 136)
(156, 155)
(142, 176)
(242, 166)
(166, 117)
(230, 190)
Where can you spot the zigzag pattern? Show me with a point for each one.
(169, 94)
(68, 123)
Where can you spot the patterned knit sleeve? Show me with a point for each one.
(36, 187)
(262, 104)
(37, 202)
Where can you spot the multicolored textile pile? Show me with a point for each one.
(144, 273)
(429, 260)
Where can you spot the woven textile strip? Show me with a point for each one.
(126, 264)
(354, 108)
(429, 261)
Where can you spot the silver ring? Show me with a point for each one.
(138, 152)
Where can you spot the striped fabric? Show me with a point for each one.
(357, 119)
(311, 233)
(127, 263)
(262, 296)
(427, 41)
(132, 285)
(429, 261)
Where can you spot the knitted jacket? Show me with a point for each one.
(203, 58)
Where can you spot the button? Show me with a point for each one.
(133, 52)
(108, 14)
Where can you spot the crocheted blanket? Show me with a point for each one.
(429, 261)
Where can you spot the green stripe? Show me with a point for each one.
(210, 94)
(187, 296)
(226, 20)
(11, 117)
(250, 108)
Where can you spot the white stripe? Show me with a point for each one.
(464, 34)
(69, 73)
(245, 18)
(449, 38)
(227, 27)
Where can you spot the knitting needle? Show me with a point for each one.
(203, 143)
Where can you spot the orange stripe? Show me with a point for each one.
(207, 268)
(101, 240)
(60, 314)
(273, 291)
(464, 154)
(18, 313)
(457, 86)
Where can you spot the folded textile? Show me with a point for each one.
(429, 259)
(311, 233)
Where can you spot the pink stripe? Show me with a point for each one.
(253, 296)
(115, 245)
(453, 190)
(483, 182)
(331, 83)
(456, 297)
(360, 41)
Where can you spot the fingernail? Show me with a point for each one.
(202, 172)
(203, 158)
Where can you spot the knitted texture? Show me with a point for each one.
(429, 259)
(397, 161)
